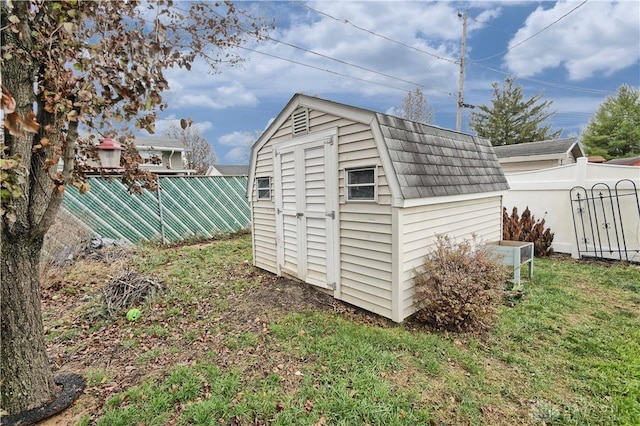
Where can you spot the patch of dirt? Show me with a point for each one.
(121, 354)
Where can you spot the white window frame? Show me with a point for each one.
(268, 188)
(374, 184)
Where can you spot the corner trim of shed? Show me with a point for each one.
(394, 185)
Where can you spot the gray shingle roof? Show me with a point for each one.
(431, 161)
(158, 143)
(552, 146)
(232, 170)
(629, 161)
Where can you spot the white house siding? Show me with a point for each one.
(525, 166)
(420, 225)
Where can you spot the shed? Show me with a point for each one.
(351, 200)
(528, 156)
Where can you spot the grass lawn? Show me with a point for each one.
(229, 344)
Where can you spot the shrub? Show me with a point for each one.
(459, 287)
(526, 228)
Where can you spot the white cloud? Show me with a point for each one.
(238, 138)
(241, 143)
(221, 97)
(238, 155)
(599, 37)
(203, 126)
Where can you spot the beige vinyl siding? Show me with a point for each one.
(320, 121)
(284, 132)
(458, 220)
(365, 227)
(264, 237)
(264, 214)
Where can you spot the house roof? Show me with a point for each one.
(547, 147)
(158, 144)
(430, 161)
(425, 160)
(229, 170)
(596, 159)
(629, 161)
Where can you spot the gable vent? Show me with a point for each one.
(300, 120)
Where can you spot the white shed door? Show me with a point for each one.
(306, 196)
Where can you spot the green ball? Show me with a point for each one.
(133, 314)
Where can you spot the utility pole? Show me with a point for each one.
(461, 76)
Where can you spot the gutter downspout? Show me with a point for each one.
(171, 159)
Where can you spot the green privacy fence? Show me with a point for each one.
(183, 207)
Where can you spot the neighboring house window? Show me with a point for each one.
(361, 184)
(264, 188)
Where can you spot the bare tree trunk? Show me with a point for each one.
(25, 374)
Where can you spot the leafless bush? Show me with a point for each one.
(460, 286)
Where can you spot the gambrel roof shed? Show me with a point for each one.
(351, 200)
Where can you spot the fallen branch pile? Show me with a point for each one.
(129, 289)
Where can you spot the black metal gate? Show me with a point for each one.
(607, 221)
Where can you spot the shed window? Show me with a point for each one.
(361, 184)
(264, 188)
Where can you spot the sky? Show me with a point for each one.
(370, 54)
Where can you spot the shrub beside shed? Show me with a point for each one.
(350, 200)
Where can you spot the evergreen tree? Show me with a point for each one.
(614, 130)
(511, 119)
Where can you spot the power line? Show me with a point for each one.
(358, 66)
(239, 27)
(546, 83)
(529, 38)
(325, 70)
(542, 82)
(492, 26)
(345, 21)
